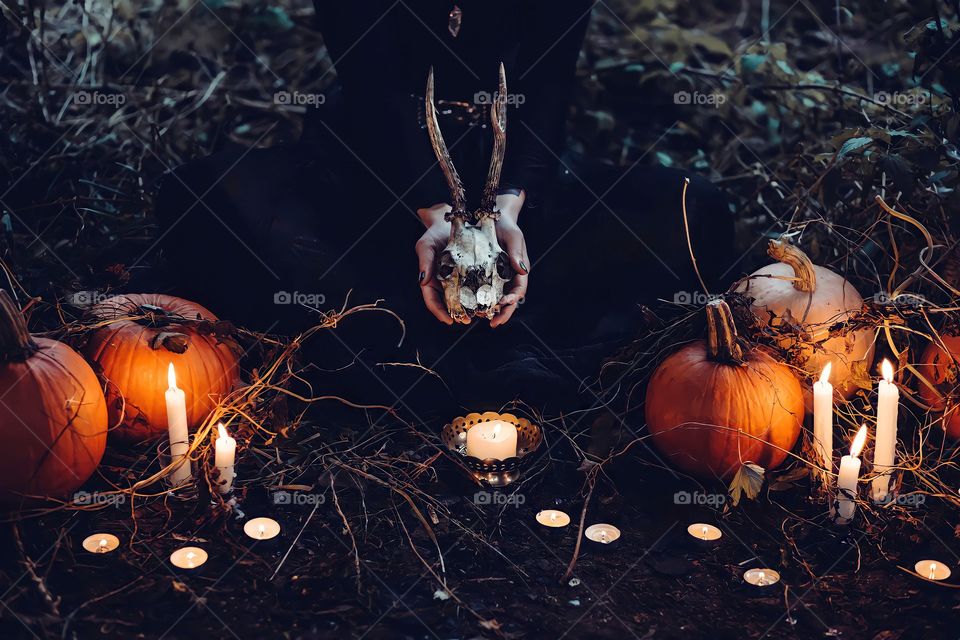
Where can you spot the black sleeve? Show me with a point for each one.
(543, 75)
(363, 40)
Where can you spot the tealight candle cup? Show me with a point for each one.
(101, 543)
(100, 548)
(262, 534)
(701, 535)
(932, 570)
(602, 538)
(761, 580)
(189, 561)
(552, 524)
(492, 472)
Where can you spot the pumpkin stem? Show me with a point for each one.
(722, 345)
(15, 340)
(783, 251)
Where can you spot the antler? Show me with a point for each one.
(457, 195)
(498, 120)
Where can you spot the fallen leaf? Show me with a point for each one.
(747, 482)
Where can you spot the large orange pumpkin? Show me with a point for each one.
(817, 301)
(716, 404)
(53, 418)
(940, 366)
(137, 338)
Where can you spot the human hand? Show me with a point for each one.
(512, 241)
(435, 238)
(431, 243)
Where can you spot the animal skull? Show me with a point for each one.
(473, 269)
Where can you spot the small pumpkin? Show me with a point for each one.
(940, 366)
(795, 292)
(719, 403)
(53, 418)
(140, 335)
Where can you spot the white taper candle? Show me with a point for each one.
(849, 475)
(885, 451)
(823, 422)
(177, 428)
(224, 455)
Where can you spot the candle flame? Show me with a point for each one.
(553, 516)
(933, 570)
(261, 530)
(496, 431)
(859, 441)
(825, 374)
(761, 579)
(887, 369)
(171, 377)
(223, 432)
(103, 545)
(704, 531)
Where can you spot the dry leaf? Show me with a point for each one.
(747, 482)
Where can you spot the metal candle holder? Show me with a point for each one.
(496, 473)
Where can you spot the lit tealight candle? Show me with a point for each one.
(823, 422)
(602, 533)
(933, 570)
(496, 439)
(553, 518)
(885, 448)
(703, 531)
(261, 528)
(849, 475)
(761, 577)
(225, 453)
(101, 543)
(177, 428)
(188, 557)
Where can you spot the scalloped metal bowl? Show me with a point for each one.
(496, 473)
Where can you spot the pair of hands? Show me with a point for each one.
(434, 240)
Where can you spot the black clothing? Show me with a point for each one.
(383, 50)
(337, 212)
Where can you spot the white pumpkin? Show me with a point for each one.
(794, 291)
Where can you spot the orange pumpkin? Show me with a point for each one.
(794, 291)
(53, 418)
(140, 335)
(940, 366)
(716, 404)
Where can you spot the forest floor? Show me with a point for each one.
(383, 534)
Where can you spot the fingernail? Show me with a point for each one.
(423, 274)
(524, 267)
